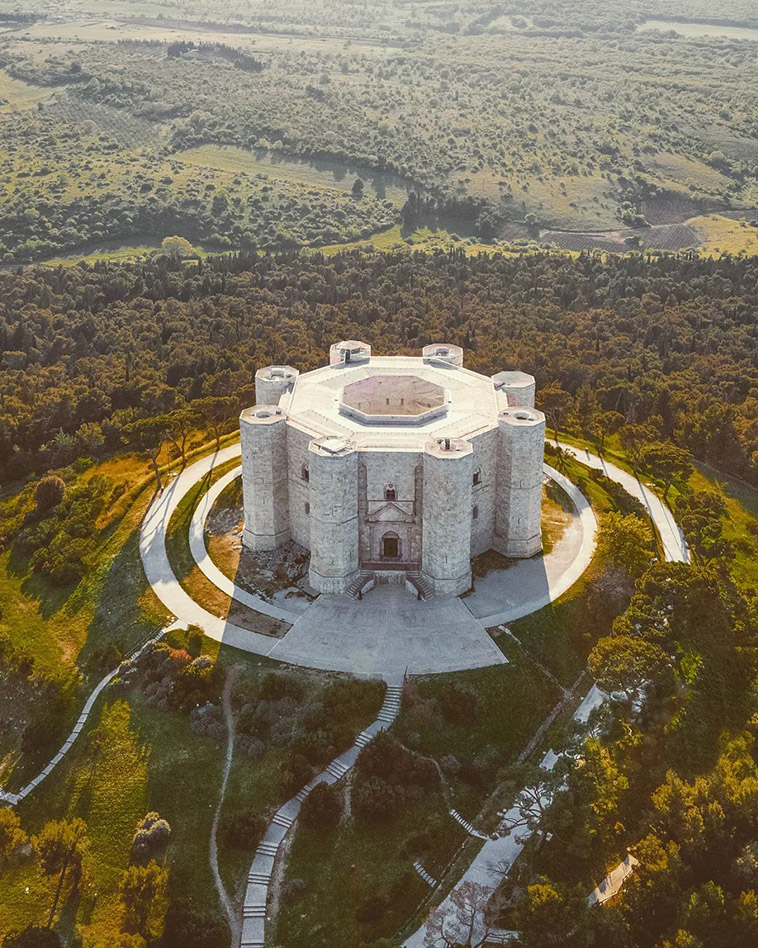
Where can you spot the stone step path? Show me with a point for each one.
(422, 586)
(466, 825)
(15, 798)
(254, 917)
(358, 584)
(430, 880)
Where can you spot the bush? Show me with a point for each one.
(371, 909)
(32, 937)
(244, 830)
(49, 492)
(293, 891)
(185, 927)
(151, 836)
(322, 808)
(296, 774)
(376, 801)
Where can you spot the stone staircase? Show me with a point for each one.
(354, 589)
(421, 585)
(254, 917)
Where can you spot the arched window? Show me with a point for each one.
(307, 508)
(475, 513)
(305, 474)
(478, 475)
(390, 493)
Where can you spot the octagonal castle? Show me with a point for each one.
(386, 465)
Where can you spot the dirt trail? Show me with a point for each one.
(226, 902)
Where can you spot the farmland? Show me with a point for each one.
(125, 124)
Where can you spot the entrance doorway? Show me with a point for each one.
(390, 546)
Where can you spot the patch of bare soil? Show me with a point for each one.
(263, 574)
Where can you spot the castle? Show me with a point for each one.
(387, 465)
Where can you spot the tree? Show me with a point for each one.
(606, 423)
(142, 887)
(179, 425)
(633, 439)
(322, 808)
(625, 663)
(216, 412)
(465, 923)
(536, 788)
(700, 516)
(12, 837)
(61, 846)
(148, 437)
(177, 247)
(667, 462)
(555, 402)
(550, 914)
(32, 937)
(627, 541)
(49, 492)
(357, 189)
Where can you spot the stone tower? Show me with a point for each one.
(446, 551)
(349, 352)
(273, 382)
(263, 436)
(518, 388)
(333, 492)
(444, 353)
(518, 502)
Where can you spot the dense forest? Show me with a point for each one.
(665, 344)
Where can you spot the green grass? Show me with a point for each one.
(741, 502)
(132, 759)
(344, 868)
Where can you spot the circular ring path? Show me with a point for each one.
(389, 632)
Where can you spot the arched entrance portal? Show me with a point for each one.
(391, 546)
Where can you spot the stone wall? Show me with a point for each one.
(299, 485)
(382, 471)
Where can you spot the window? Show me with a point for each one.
(390, 493)
(475, 513)
(477, 476)
(305, 474)
(307, 508)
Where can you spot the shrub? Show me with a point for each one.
(244, 830)
(371, 909)
(151, 836)
(296, 774)
(185, 927)
(32, 937)
(293, 891)
(322, 808)
(49, 492)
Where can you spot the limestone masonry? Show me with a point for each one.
(393, 465)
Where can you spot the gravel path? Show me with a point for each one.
(226, 902)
